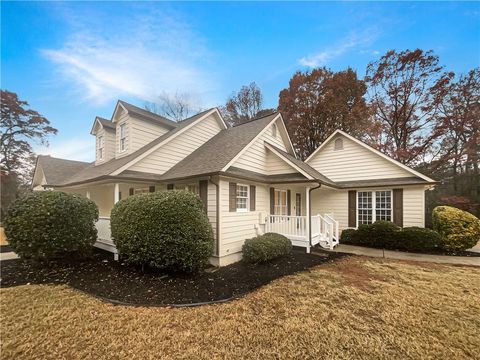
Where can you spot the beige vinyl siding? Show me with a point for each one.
(109, 141)
(142, 132)
(331, 202)
(257, 158)
(212, 207)
(275, 165)
(354, 162)
(180, 147)
(414, 206)
(336, 202)
(238, 226)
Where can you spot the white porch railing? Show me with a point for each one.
(293, 227)
(324, 229)
(104, 236)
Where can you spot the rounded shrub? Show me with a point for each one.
(46, 224)
(346, 236)
(266, 247)
(459, 229)
(166, 230)
(416, 239)
(379, 234)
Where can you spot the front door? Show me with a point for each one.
(298, 204)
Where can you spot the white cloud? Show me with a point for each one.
(81, 149)
(353, 41)
(142, 57)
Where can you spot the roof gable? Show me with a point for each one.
(357, 161)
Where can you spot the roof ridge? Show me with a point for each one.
(257, 118)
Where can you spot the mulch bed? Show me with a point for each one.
(102, 277)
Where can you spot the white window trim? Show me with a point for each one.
(374, 204)
(101, 147)
(125, 145)
(247, 209)
(286, 202)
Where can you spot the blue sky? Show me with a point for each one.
(72, 60)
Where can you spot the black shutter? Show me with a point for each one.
(289, 203)
(131, 191)
(272, 201)
(398, 207)
(352, 208)
(252, 197)
(232, 196)
(151, 188)
(169, 186)
(203, 192)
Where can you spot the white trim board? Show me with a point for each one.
(375, 151)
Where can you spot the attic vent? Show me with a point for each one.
(338, 144)
(274, 130)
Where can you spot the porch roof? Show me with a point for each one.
(384, 182)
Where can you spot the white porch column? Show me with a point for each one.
(88, 194)
(116, 194)
(307, 227)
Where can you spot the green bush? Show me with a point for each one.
(459, 229)
(46, 224)
(415, 239)
(266, 247)
(379, 234)
(346, 236)
(166, 230)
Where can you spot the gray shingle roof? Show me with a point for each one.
(305, 167)
(147, 114)
(217, 152)
(106, 123)
(58, 170)
(93, 172)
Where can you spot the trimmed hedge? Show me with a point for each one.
(266, 247)
(47, 224)
(386, 235)
(166, 230)
(378, 234)
(459, 229)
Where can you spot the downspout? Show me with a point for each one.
(217, 223)
(310, 213)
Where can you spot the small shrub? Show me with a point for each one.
(266, 247)
(166, 230)
(346, 236)
(46, 224)
(379, 234)
(459, 229)
(415, 239)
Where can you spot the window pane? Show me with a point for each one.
(364, 207)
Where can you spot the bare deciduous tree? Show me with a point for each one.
(176, 107)
(243, 105)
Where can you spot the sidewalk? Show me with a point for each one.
(399, 255)
(8, 256)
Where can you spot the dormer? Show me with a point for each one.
(104, 132)
(136, 127)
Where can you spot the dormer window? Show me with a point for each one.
(274, 130)
(123, 138)
(338, 144)
(101, 147)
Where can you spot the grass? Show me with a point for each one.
(354, 308)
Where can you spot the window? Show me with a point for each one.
(101, 147)
(280, 202)
(338, 144)
(141, 191)
(192, 188)
(123, 138)
(369, 211)
(274, 130)
(242, 198)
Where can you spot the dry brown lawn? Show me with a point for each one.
(354, 308)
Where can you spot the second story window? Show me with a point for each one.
(123, 138)
(101, 147)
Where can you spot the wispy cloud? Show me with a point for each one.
(351, 42)
(142, 57)
(81, 149)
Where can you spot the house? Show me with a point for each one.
(247, 176)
